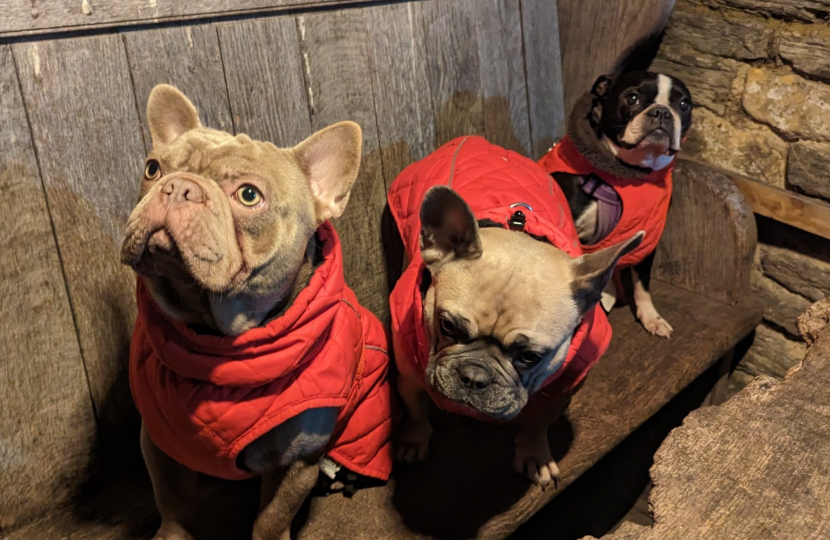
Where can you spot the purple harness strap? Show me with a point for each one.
(609, 206)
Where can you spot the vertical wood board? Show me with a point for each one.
(47, 424)
(86, 131)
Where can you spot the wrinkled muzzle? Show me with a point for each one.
(185, 219)
(477, 381)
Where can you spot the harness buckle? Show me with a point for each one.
(517, 221)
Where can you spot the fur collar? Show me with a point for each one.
(584, 137)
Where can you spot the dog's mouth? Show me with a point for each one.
(497, 403)
(658, 141)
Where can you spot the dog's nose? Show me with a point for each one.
(660, 113)
(474, 377)
(181, 189)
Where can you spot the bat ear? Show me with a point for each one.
(602, 86)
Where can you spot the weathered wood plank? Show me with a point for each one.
(710, 236)
(335, 54)
(46, 417)
(757, 466)
(187, 57)
(264, 73)
(596, 34)
(502, 71)
(453, 68)
(448, 496)
(28, 17)
(548, 121)
(86, 131)
(796, 210)
(406, 125)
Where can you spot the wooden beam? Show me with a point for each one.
(785, 206)
(24, 18)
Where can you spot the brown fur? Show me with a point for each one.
(224, 267)
(506, 293)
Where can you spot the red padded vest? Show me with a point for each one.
(645, 202)
(490, 179)
(204, 398)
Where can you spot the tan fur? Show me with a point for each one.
(219, 263)
(209, 260)
(509, 292)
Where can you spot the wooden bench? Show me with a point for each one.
(756, 467)
(414, 75)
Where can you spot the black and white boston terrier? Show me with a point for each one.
(615, 169)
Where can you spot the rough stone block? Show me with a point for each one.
(795, 106)
(799, 273)
(712, 32)
(808, 168)
(772, 353)
(807, 53)
(798, 10)
(710, 87)
(745, 148)
(781, 307)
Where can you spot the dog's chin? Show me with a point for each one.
(158, 254)
(654, 151)
(501, 403)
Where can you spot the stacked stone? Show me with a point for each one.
(759, 71)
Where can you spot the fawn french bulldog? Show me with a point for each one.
(615, 168)
(494, 316)
(250, 355)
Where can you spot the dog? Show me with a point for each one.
(615, 168)
(250, 355)
(494, 316)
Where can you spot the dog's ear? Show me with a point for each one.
(593, 271)
(598, 94)
(330, 160)
(449, 229)
(169, 114)
(602, 86)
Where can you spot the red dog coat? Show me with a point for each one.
(645, 201)
(204, 398)
(490, 179)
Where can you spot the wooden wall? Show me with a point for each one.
(596, 35)
(73, 139)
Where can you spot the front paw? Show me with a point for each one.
(655, 324)
(534, 460)
(413, 442)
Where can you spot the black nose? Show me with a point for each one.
(660, 113)
(474, 377)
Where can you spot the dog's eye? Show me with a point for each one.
(529, 357)
(248, 196)
(632, 99)
(684, 105)
(447, 327)
(152, 170)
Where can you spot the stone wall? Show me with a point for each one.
(759, 72)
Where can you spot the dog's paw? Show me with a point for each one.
(413, 442)
(534, 460)
(654, 323)
(170, 530)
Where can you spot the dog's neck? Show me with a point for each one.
(189, 304)
(592, 146)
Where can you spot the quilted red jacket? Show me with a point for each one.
(645, 202)
(490, 179)
(204, 398)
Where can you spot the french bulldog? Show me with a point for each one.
(250, 356)
(494, 315)
(615, 168)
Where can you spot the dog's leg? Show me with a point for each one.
(175, 488)
(412, 443)
(533, 458)
(283, 492)
(646, 312)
